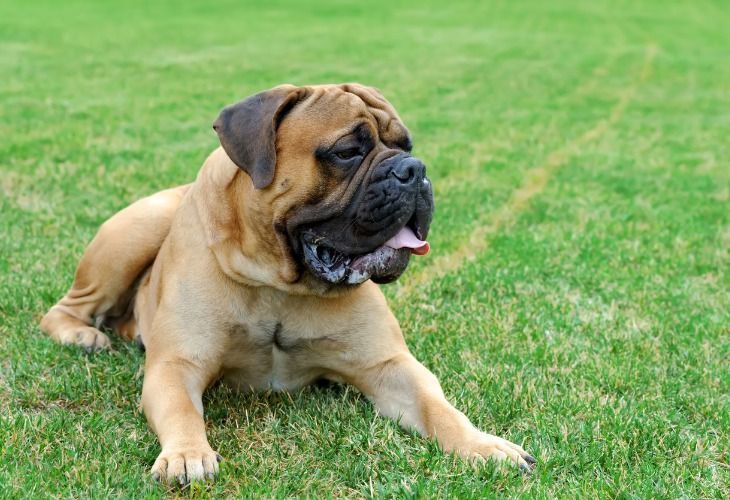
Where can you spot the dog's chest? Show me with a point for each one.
(269, 355)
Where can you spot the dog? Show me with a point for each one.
(263, 272)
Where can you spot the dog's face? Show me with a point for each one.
(334, 178)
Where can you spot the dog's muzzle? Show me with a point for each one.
(387, 221)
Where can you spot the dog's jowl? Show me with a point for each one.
(263, 272)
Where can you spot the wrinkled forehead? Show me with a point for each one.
(329, 112)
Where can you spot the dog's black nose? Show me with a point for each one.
(409, 170)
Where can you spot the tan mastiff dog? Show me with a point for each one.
(264, 270)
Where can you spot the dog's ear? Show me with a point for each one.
(247, 131)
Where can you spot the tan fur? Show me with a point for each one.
(200, 274)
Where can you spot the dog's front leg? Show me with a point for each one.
(403, 389)
(172, 400)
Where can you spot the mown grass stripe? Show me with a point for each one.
(533, 184)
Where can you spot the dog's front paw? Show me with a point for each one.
(182, 465)
(486, 446)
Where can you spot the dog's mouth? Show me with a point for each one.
(384, 264)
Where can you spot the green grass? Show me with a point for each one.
(589, 322)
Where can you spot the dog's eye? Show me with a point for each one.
(348, 154)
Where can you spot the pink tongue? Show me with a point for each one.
(406, 239)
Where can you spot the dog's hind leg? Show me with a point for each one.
(106, 277)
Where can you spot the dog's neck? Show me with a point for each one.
(253, 260)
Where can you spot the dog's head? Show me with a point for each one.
(334, 177)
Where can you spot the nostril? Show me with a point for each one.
(408, 170)
(403, 173)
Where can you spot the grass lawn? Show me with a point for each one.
(577, 296)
